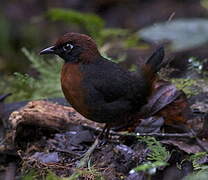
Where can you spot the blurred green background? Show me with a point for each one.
(126, 31)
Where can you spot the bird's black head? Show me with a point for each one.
(74, 47)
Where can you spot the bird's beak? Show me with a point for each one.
(49, 50)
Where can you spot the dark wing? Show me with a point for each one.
(115, 83)
(112, 92)
(102, 111)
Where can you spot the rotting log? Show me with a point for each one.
(15, 106)
(47, 116)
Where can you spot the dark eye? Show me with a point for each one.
(67, 47)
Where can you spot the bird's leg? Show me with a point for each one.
(101, 135)
(106, 135)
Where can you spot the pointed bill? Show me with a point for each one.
(49, 50)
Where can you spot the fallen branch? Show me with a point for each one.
(3, 97)
(45, 115)
(164, 135)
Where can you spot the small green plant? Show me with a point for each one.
(25, 87)
(186, 85)
(195, 158)
(150, 167)
(157, 156)
(31, 175)
(90, 172)
(200, 169)
(157, 151)
(35, 175)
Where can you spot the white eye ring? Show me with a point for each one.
(67, 47)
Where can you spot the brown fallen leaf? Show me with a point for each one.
(168, 102)
(177, 112)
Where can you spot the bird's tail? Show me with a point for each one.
(155, 61)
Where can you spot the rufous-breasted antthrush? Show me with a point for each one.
(97, 88)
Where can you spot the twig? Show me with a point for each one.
(164, 135)
(87, 155)
(3, 97)
(68, 152)
(86, 158)
(171, 17)
(190, 134)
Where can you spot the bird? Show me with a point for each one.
(99, 89)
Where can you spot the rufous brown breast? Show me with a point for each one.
(71, 83)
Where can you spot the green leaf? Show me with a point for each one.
(150, 165)
(157, 151)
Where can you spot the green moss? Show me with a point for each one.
(187, 85)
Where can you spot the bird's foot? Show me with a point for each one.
(104, 135)
(105, 132)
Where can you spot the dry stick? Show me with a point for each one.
(86, 158)
(170, 135)
(87, 155)
(173, 135)
(191, 134)
(3, 97)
